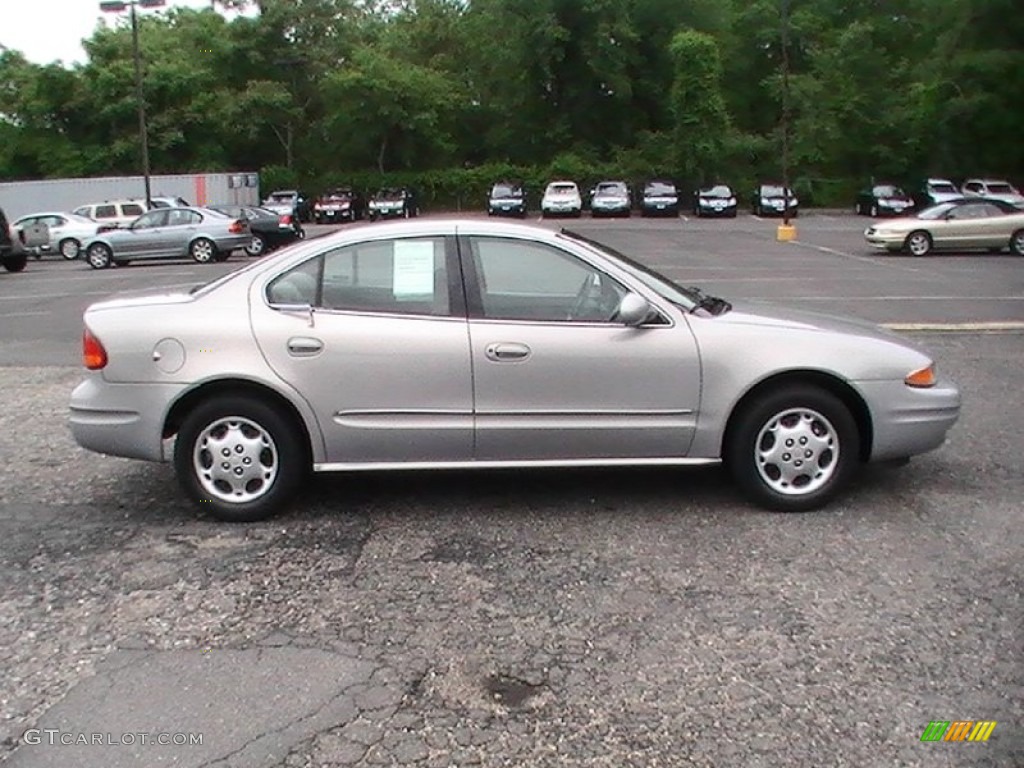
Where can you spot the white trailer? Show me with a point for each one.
(18, 198)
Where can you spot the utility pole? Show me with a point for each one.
(118, 6)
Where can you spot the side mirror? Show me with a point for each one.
(633, 310)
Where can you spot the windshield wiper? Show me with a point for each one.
(713, 304)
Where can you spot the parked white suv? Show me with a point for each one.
(561, 198)
(993, 189)
(116, 213)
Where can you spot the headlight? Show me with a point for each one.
(921, 378)
(732, 201)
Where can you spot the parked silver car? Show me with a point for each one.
(458, 344)
(67, 232)
(170, 233)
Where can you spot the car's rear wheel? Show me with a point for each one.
(69, 248)
(918, 243)
(793, 449)
(203, 250)
(256, 246)
(240, 458)
(15, 263)
(1017, 243)
(99, 256)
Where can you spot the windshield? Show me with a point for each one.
(390, 193)
(281, 197)
(772, 190)
(659, 188)
(944, 187)
(658, 283)
(1001, 188)
(611, 188)
(562, 189)
(338, 194)
(888, 190)
(506, 190)
(936, 211)
(717, 191)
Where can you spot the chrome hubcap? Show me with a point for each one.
(1018, 243)
(797, 451)
(918, 245)
(256, 246)
(98, 257)
(202, 251)
(235, 460)
(69, 249)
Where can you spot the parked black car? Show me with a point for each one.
(289, 201)
(659, 198)
(715, 200)
(392, 203)
(883, 200)
(339, 204)
(507, 198)
(774, 200)
(13, 257)
(270, 230)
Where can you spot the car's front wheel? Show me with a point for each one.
(240, 458)
(1017, 243)
(99, 256)
(918, 243)
(793, 449)
(69, 248)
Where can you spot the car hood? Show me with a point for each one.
(767, 315)
(905, 224)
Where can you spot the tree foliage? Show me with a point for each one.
(324, 90)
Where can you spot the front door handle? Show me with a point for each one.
(505, 351)
(304, 346)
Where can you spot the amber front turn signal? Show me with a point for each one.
(923, 377)
(94, 356)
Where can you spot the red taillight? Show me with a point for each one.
(286, 219)
(94, 356)
(236, 228)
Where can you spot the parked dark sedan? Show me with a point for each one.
(507, 198)
(715, 200)
(883, 200)
(270, 230)
(339, 204)
(660, 198)
(774, 200)
(393, 203)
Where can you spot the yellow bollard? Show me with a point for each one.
(786, 232)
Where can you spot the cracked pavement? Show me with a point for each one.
(581, 618)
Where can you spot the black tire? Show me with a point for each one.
(99, 256)
(222, 256)
(286, 449)
(257, 246)
(741, 453)
(918, 243)
(1017, 243)
(202, 250)
(69, 248)
(15, 262)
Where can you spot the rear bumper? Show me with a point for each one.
(909, 421)
(233, 243)
(121, 419)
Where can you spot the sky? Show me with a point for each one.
(49, 31)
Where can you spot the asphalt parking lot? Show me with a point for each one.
(612, 618)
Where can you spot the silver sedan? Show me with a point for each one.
(170, 233)
(65, 231)
(463, 344)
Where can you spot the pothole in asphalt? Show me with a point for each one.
(509, 691)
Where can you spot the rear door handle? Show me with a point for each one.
(304, 346)
(506, 351)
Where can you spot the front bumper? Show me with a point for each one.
(709, 209)
(387, 213)
(506, 209)
(334, 214)
(770, 209)
(121, 419)
(909, 421)
(663, 207)
(889, 241)
(609, 209)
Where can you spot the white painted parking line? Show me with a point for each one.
(32, 296)
(6, 315)
(851, 297)
(967, 327)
